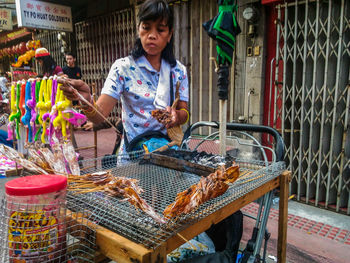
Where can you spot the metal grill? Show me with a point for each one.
(161, 186)
(312, 99)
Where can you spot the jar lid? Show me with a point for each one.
(36, 185)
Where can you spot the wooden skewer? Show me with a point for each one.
(187, 241)
(81, 97)
(252, 179)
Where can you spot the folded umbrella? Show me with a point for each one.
(224, 28)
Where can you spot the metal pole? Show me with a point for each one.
(336, 91)
(301, 134)
(223, 121)
(312, 115)
(294, 59)
(223, 83)
(324, 98)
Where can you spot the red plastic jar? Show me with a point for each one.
(36, 210)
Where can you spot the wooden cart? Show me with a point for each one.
(121, 249)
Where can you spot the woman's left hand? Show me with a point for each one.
(174, 117)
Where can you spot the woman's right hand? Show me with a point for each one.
(78, 85)
(88, 126)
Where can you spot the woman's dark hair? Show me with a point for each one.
(49, 64)
(152, 10)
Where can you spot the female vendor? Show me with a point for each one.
(143, 80)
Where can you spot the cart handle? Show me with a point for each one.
(279, 148)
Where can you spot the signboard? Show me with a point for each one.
(5, 19)
(42, 15)
(21, 32)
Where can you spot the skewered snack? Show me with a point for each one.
(162, 116)
(118, 185)
(70, 156)
(207, 188)
(114, 186)
(36, 157)
(55, 161)
(15, 156)
(99, 178)
(138, 202)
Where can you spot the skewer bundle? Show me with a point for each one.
(114, 186)
(207, 188)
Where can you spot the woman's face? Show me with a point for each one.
(40, 61)
(154, 35)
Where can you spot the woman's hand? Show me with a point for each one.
(78, 85)
(88, 126)
(174, 117)
(179, 116)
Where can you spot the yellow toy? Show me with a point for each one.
(41, 106)
(62, 103)
(25, 58)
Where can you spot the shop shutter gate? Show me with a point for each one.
(312, 99)
(102, 40)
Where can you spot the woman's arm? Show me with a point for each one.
(104, 104)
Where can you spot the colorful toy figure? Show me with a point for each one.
(27, 116)
(62, 103)
(53, 112)
(41, 102)
(13, 111)
(41, 106)
(16, 114)
(31, 104)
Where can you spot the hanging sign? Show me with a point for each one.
(43, 15)
(5, 19)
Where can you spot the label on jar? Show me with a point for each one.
(32, 234)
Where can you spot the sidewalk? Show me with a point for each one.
(314, 235)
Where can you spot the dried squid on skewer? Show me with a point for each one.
(207, 188)
(18, 158)
(71, 157)
(36, 157)
(129, 189)
(114, 186)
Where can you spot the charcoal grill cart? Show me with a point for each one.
(125, 234)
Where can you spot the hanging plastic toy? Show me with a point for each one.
(36, 122)
(27, 116)
(13, 111)
(41, 106)
(31, 104)
(22, 98)
(16, 115)
(62, 103)
(53, 112)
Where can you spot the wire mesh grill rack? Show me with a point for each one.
(28, 234)
(160, 186)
